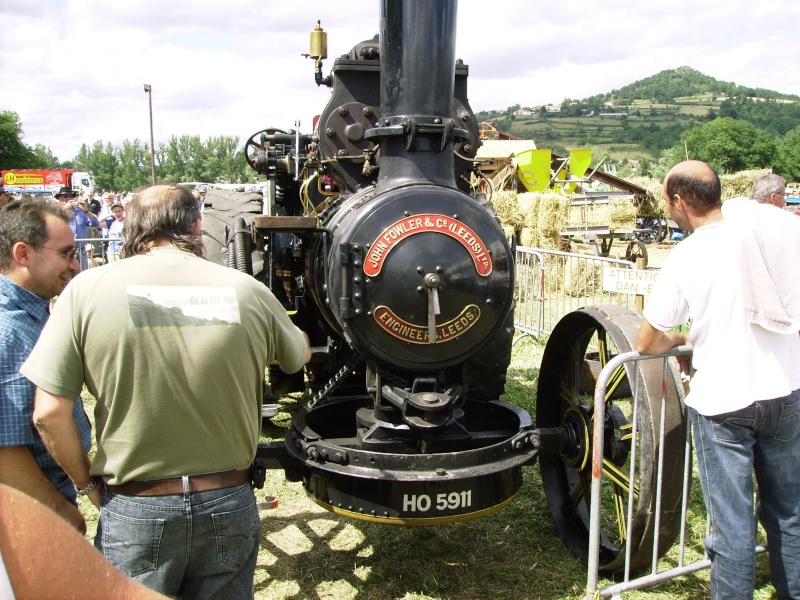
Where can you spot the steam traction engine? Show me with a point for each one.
(403, 279)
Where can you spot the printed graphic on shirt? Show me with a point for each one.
(174, 306)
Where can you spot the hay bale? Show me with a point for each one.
(652, 205)
(739, 184)
(552, 214)
(552, 220)
(617, 213)
(581, 277)
(529, 209)
(528, 237)
(544, 217)
(506, 207)
(621, 214)
(733, 185)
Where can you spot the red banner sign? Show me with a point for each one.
(36, 178)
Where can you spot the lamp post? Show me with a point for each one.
(149, 91)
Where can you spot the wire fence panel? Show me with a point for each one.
(550, 284)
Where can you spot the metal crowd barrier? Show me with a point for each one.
(654, 575)
(94, 251)
(551, 284)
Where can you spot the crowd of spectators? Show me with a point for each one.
(100, 224)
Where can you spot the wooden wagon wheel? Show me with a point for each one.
(636, 249)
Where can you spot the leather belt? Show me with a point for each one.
(169, 487)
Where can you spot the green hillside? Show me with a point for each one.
(647, 117)
(687, 83)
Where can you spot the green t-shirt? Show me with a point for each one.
(174, 348)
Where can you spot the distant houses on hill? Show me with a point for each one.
(529, 112)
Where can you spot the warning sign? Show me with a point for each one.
(629, 281)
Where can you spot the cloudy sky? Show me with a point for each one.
(74, 69)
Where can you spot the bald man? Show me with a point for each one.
(744, 402)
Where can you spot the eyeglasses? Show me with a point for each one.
(69, 253)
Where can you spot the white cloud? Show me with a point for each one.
(74, 69)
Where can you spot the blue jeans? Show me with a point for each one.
(193, 545)
(764, 437)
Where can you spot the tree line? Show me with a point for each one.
(128, 167)
(729, 143)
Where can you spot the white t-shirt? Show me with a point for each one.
(115, 231)
(736, 362)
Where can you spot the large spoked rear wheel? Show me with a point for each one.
(580, 346)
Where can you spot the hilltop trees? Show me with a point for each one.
(788, 163)
(775, 116)
(731, 145)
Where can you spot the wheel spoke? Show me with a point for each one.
(581, 493)
(602, 348)
(568, 395)
(614, 381)
(628, 428)
(612, 472)
(619, 510)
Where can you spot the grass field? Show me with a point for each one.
(309, 553)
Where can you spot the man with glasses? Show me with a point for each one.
(37, 259)
(770, 189)
(82, 217)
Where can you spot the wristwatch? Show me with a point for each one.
(89, 488)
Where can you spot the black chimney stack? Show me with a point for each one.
(417, 41)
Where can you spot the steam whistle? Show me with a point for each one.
(318, 50)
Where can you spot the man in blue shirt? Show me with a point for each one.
(37, 259)
(82, 217)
